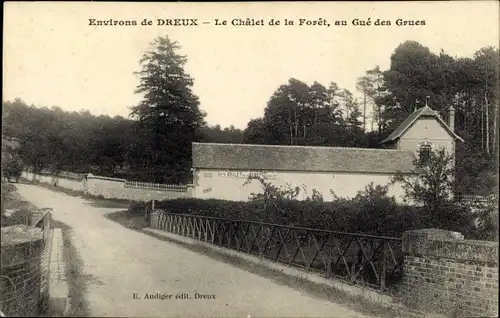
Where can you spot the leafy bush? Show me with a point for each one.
(486, 220)
(371, 211)
(213, 208)
(12, 167)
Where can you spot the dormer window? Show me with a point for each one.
(425, 154)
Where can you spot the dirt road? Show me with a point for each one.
(124, 266)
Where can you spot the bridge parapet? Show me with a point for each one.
(447, 274)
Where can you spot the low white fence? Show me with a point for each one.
(476, 198)
(155, 186)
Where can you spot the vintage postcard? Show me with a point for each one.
(251, 159)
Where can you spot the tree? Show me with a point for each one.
(319, 99)
(168, 116)
(377, 93)
(298, 114)
(12, 165)
(486, 65)
(355, 135)
(12, 168)
(372, 85)
(254, 133)
(410, 79)
(228, 135)
(285, 115)
(431, 183)
(40, 144)
(364, 85)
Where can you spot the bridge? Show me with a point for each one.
(121, 272)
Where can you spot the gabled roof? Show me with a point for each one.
(301, 158)
(406, 124)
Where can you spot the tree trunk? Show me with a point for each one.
(465, 114)
(379, 121)
(482, 127)
(487, 124)
(296, 123)
(364, 112)
(495, 114)
(373, 120)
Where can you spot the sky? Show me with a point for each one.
(53, 57)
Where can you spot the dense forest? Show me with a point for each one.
(154, 143)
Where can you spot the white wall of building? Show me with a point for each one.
(427, 130)
(215, 184)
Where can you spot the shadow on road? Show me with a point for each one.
(128, 220)
(107, 204)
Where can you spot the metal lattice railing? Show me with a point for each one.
(367, 260)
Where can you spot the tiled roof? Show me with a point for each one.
(424, 111)
(300, 158)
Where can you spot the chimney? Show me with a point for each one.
(452, 118)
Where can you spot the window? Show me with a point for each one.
(425, 154)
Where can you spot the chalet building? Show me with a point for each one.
(220, 170)
(424, 130)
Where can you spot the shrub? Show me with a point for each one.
(486, 219)
(12, 167)
(371, 211)
(212, 208)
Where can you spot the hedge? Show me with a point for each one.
(369, 213)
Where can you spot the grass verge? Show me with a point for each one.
(74, 272)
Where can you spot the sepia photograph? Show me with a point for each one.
(250, 159)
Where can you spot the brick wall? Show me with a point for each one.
(443, 273)
(21, 271)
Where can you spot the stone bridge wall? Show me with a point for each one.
(21, 271)
(446, 274)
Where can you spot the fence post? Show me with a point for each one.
(384, 267)
(153, 204)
